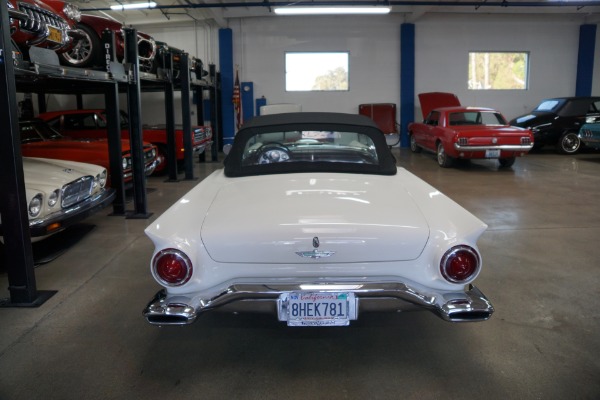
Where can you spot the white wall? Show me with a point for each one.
(444, 41)
(260, 44)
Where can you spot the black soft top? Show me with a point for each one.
(309, 121)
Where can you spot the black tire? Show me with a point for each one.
(86, 52)
(413, 144)
(569, 143)
(507, 162)
(443, 159)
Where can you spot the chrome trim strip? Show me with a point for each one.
(505, 147)
(459, 306)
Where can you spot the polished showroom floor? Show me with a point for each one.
(541, 271)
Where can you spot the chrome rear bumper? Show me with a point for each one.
(504, 147)
(461, 306)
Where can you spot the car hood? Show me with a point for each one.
(43, 174)
(433, 100)
(306, 218)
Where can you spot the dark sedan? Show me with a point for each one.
(557, 121)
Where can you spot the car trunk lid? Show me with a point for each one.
(303, 218)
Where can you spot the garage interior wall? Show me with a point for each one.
(443, 42)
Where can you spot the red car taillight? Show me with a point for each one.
(172, 267)
(459, 264)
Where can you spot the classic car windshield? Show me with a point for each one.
(37, 131)
(477, 118)
(309, 146)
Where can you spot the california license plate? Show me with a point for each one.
(492, 153)
(317, 308)
(55, 34)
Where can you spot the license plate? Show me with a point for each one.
(55, 34)
(492, 153)
(317, 308)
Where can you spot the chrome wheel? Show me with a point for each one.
(444, 160)
(413, 144)
(569, 143)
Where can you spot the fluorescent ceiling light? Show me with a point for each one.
(132, 6)
(292, 10)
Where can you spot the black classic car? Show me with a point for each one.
(557, 121)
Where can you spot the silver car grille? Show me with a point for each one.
(76, 191)
(201, 133)
(39, 18)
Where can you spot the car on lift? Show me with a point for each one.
(88, 52)
(34, 23)
(164, 51)
(557, 121)
(311, 220)
(589, 134)
(452, 132)
(61, 193)
(92, 123)
(38, 139)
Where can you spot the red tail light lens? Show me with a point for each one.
(172, 267)
(460, 264)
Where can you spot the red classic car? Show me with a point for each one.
(38, 139)
(456, 132)
(88, 51)
(33, 23)
(92, 124)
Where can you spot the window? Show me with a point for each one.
(477, 118)
(498, 70)
(320, 71)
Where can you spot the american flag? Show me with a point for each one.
(237, 102)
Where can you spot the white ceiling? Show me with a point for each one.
(219, 11)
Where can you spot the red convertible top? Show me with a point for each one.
(433, 100)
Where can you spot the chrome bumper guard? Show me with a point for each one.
(462, 306)
(505, 147)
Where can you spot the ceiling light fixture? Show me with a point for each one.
(317, 10)
(133, 6)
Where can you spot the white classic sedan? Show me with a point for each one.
(312, 221)
(61, 193)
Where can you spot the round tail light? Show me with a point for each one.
(172, 267)
(460, 264)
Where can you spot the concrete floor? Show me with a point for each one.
(542, 273)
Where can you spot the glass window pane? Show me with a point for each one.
(318, 71)
(498, 70)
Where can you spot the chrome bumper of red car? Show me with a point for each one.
(462, 306)
(506, 147)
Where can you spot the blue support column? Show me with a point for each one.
(407, 80)
(585, 60)
(259, 103)
(226, 63)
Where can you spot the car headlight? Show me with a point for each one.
(172, 267)
(126, 162)
(460, 264)
(72, 11)
(53, 198)
(102, 178)
(35, 205)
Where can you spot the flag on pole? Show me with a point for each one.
(237, 102)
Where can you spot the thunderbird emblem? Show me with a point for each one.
(315, 254)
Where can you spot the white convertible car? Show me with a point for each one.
(311, 220)
(61, 193)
